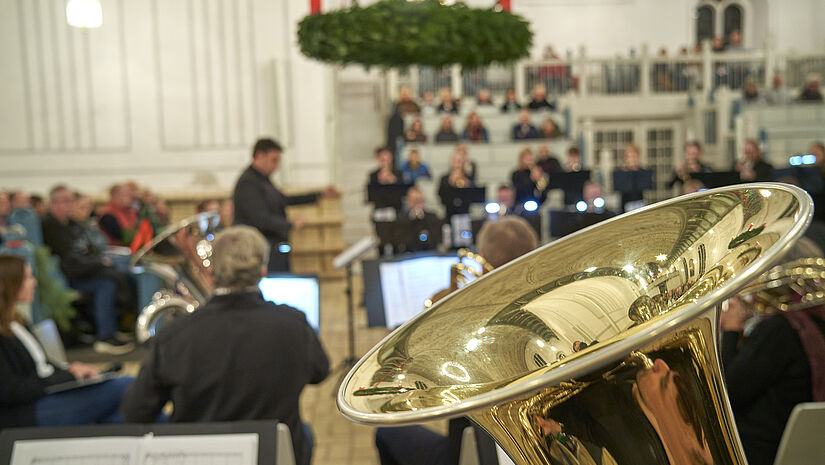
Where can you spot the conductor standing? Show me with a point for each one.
(258, 203)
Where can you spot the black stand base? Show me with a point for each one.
(346, 365)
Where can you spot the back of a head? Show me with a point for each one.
(239, 258)
(265, 145)
(506, 239)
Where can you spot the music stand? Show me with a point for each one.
(808, 176)
(717, 178)
(626, 181)
(459, 199)
(572, 184)
(345, 260)
(387, 195)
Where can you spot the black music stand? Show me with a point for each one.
(571, 183)
(265, 429)
(563, 222)
(387, 195)
(458, 199)
(717, 178)
(626, 181)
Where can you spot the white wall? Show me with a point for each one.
(171, 93)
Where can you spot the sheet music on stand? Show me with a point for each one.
(220, 449)
(407, 284)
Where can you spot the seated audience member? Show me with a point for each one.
(459, 176)
(20, 199)
(428, 101)
(447, 104)
(753, 168)
(632, 160)
(549, 129)
(499, 242)
(386, 172)
(26, 372)
(475, 131)
(419, 229)
(777, 94)
(209, 205)
(511, 102)
(751, 93)
(266, 355)
(539, 100)
(735, 42)
(85, 268)
(82, 215)
(416, 133)
(5, 209)
(811, 93)
(414, 169)
(529, 180)
(119, 219)
(574, 160)
(445, 132)
(523, 129)
(483, 99)
(547, 161)
(779, 364)
(39, 205)
(692, 164)
(406, 104)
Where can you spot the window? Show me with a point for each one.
(614, 142)
(733, 20)
(718, 18)
(660, 160)
(705, 17)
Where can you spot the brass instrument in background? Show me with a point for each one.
(596, 348)
(181, 256)
(460, 273)
(791, 286)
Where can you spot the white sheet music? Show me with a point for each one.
(406, 284)
(220, 449)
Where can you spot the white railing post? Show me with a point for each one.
(392, 84)
(581, 66)
(644, 69)
(414, 84)
(587, 153)
(520, 79)
(770, 64)
(707, 70)
(456, 83)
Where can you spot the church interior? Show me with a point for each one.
(412, 231)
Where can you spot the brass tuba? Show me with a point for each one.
(791, 286)
(597, 348)
(181, 256)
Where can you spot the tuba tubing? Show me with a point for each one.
(669, 265)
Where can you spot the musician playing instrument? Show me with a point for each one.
(529, 179)
(461, 175)
(498, 242)
(777, 365)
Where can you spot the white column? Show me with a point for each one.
(644, 69)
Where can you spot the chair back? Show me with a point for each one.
(803, 442)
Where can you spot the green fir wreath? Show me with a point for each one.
(401, 33)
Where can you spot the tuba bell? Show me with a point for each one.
(790, 286)
(181, 256)
(597, 348)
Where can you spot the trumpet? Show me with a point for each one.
(460, 273)
(596, 348)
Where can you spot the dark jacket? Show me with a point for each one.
(524, 131)
(540, 105)
(20, 386)
(258, 203)
(79, 255)
(526, 188)
(238, 357)
(445, 136)
(510, 106)
(766, 378)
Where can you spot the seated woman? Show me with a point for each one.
(484, 98)
(529, 180)
(475, 131)
(414, 169)
(25, 372)
(549, 129)
(447, 103)
(119, 218)
(445, 132)
(416, 133)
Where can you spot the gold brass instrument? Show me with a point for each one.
(181, 256)
(460, 273)
(597, 348)
(791, 286)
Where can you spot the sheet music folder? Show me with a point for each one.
(265, 429)
(387, 195)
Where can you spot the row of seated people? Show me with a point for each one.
(204, 381)
(408, 105)
(475, 130)
(777, 94)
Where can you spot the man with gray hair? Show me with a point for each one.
(238, 357)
